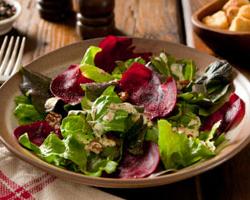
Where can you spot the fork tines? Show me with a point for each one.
(11, 54)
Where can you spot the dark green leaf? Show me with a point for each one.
(37, 87)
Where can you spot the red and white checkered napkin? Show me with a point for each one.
(19, 181)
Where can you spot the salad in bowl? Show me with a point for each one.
(126, 115)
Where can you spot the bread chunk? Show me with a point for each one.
(235, 3)
(240, 24)
(217, 20)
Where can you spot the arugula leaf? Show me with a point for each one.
(89, 56)
(183, 70)
(122, 66)
(189, 69)
(94, 73)
(178, 150)
(162, 63)
(167, 65)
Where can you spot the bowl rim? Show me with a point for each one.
(197, 22)
(18, 7)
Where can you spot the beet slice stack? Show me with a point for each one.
(230, 114)
(114, 49)
(144, 88)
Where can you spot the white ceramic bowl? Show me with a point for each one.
(6, 24)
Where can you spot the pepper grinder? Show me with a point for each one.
(95, 18)
(54, 10)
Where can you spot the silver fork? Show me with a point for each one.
(11, 54)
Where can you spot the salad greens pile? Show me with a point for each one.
(127, 115)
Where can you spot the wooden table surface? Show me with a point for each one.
(158, 19)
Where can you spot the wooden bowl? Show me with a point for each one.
(58, 60)
(223, 42)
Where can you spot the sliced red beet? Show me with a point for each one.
(230, 114)
(114, 49)
(67, 87)
(37, 131)
(140, 166)
(144, 88)
(135, 77)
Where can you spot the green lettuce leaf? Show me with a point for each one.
(108, 113)
(89, 56)
(76, 126)
(58, 152)
(97, 165)
(26, 114)
(94, 73)
(178, 150)
(22, 99)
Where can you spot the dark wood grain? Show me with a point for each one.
(231, 180)
(158, 19)
(42, 36)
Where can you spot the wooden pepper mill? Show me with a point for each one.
(95, 18)
(54, 10)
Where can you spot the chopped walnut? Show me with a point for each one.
(123, 96)
(54, 119)
(182, 84)
(94, 146)
(106, 142)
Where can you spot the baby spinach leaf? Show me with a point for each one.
(94, 73)
(89, 55)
